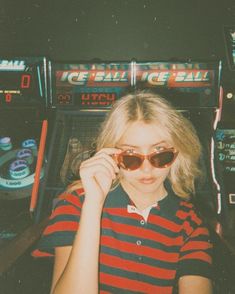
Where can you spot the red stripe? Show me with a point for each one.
(61, 226)
(195, 218)
(200, 231)
(133, 248)
(65, 209)
(153, 219)
(120, 211)
(182, 214)
(80, 191)
(75, 200)
(186, 204)
(162, 222)
(132, 285)
(198, 255)
(38, 253)
(187, 228)
(141, 233)
(140, 268)
(198, 245)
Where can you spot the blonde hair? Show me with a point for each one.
(151, 108)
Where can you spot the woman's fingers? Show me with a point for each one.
(90, 169)
(103, 159)
(99, 171)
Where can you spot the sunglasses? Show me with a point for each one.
(131, 160)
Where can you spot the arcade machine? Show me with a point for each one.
(23, 100)
(225, 135)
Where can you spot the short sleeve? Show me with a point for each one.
(62, 226)
(196, 252)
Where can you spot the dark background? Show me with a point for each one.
(116, 30)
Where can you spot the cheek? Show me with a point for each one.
(161, 173)
(128, 175)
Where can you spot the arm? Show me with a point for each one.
(195, 262)
(195, 285)
(61, 258)
(78, 273)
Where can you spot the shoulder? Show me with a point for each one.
(73, 198)
(63, 223)
(192, 222)
(188, 212)
(183, 212)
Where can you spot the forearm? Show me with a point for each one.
(81, 273)
(194, 285)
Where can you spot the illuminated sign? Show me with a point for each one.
(15, 65)
(180, 78)
(22, 81)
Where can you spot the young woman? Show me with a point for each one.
(128, 226)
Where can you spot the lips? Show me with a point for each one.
(147, 181)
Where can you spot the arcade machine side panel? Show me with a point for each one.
(193, 88)
(81, 96)
(23, 99)
(225, 135)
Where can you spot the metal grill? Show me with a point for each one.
(71, 128)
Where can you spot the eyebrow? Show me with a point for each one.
(133, 146)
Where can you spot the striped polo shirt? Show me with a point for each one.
(140, 252)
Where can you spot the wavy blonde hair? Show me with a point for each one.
(151, 108)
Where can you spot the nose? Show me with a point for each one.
(146, 165)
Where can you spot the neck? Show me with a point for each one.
(141, 199)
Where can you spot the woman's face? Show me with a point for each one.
(145, 139)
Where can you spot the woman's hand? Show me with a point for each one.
(97, 174)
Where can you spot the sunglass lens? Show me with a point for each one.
(162, 159)
(131, 162)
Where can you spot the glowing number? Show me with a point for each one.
(8, 97)
(221, 156)
(25, 81)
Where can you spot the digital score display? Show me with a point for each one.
(22, 82)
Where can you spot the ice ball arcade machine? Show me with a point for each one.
(83, 93)
(23, 99)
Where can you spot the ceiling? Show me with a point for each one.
(116, 30)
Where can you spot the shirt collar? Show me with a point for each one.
(118, 198)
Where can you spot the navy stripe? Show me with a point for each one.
(115, 290)
(134, 276)
(195, 267)
(49, 242)
(145, 242)
(158, 228)
(134, 257)
(64, 217)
